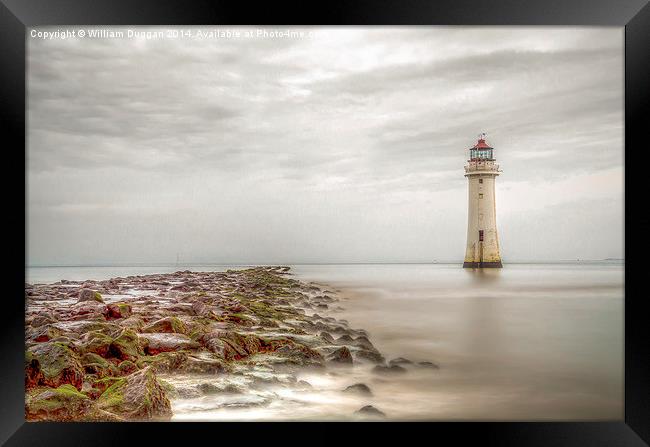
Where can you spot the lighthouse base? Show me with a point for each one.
(482, 265)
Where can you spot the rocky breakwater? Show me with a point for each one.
(97, 350)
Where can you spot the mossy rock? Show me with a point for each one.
(63, 403)
(132, 322)
(164, 362)
(105, 382)
(167, 325)
(118, 310)
(97, 342)
(58, 363)
(126, 346)
(90, 295)
(44, 333)
(138, 396)
(127, 367)
(33, 373)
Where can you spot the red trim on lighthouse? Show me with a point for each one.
(481, 145)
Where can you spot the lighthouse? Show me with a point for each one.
(482, 238)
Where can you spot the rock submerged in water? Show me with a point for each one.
(400, 361)
(341, 355)
(392, 369)
(428, 365)
(369, 410)
(359, 388)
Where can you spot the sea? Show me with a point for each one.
(534, 342)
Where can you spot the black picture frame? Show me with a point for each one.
(634, 15)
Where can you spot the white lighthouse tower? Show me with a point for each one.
(482, 239)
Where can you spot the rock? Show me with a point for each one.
(155, 343)
(164, 362)
(118, 310)
(58, 364)
(369, 410)
(187, 392)
(63, 403)
(400, 361)
(44, 333)
(96, 342)
(167, 325)
(33, 373)
(359, 388)
(327, 337)
(341, 355)
(201, 365)
(208, 388)
(428, 365)
(127, 367)
(344, 340)
(372, 356)
(132, 322)
(87, 310)
(363, 342)
(100, 367)
(41, 320)
(89, 295)
(393, 369)
(126, 346)
(138, 396)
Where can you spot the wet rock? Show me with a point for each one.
(428, 365)
(41, 320)
(90, 295)
(57, 363)
(44, 333)
(359, 388)
(372, 356)
(400, 361)
(327, 337)
(98, 366)
(187, 392)
(202, 365)
(118, 310)
(393, 369)
(155, 343)
(341, 355)
(167, 325)
(138, 396)
(164, 362)
(96, 342)
(63, 403)
(363, 342)
(127, 367)
(369, 410)
(208, 388)
(87, 310)
(126, 346)
(33, 373)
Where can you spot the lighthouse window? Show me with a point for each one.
(480, 180)
(480, 196)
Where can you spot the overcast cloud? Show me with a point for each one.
(347, 146)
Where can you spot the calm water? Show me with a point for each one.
(527, 342)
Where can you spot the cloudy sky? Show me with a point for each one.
(346, 145)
